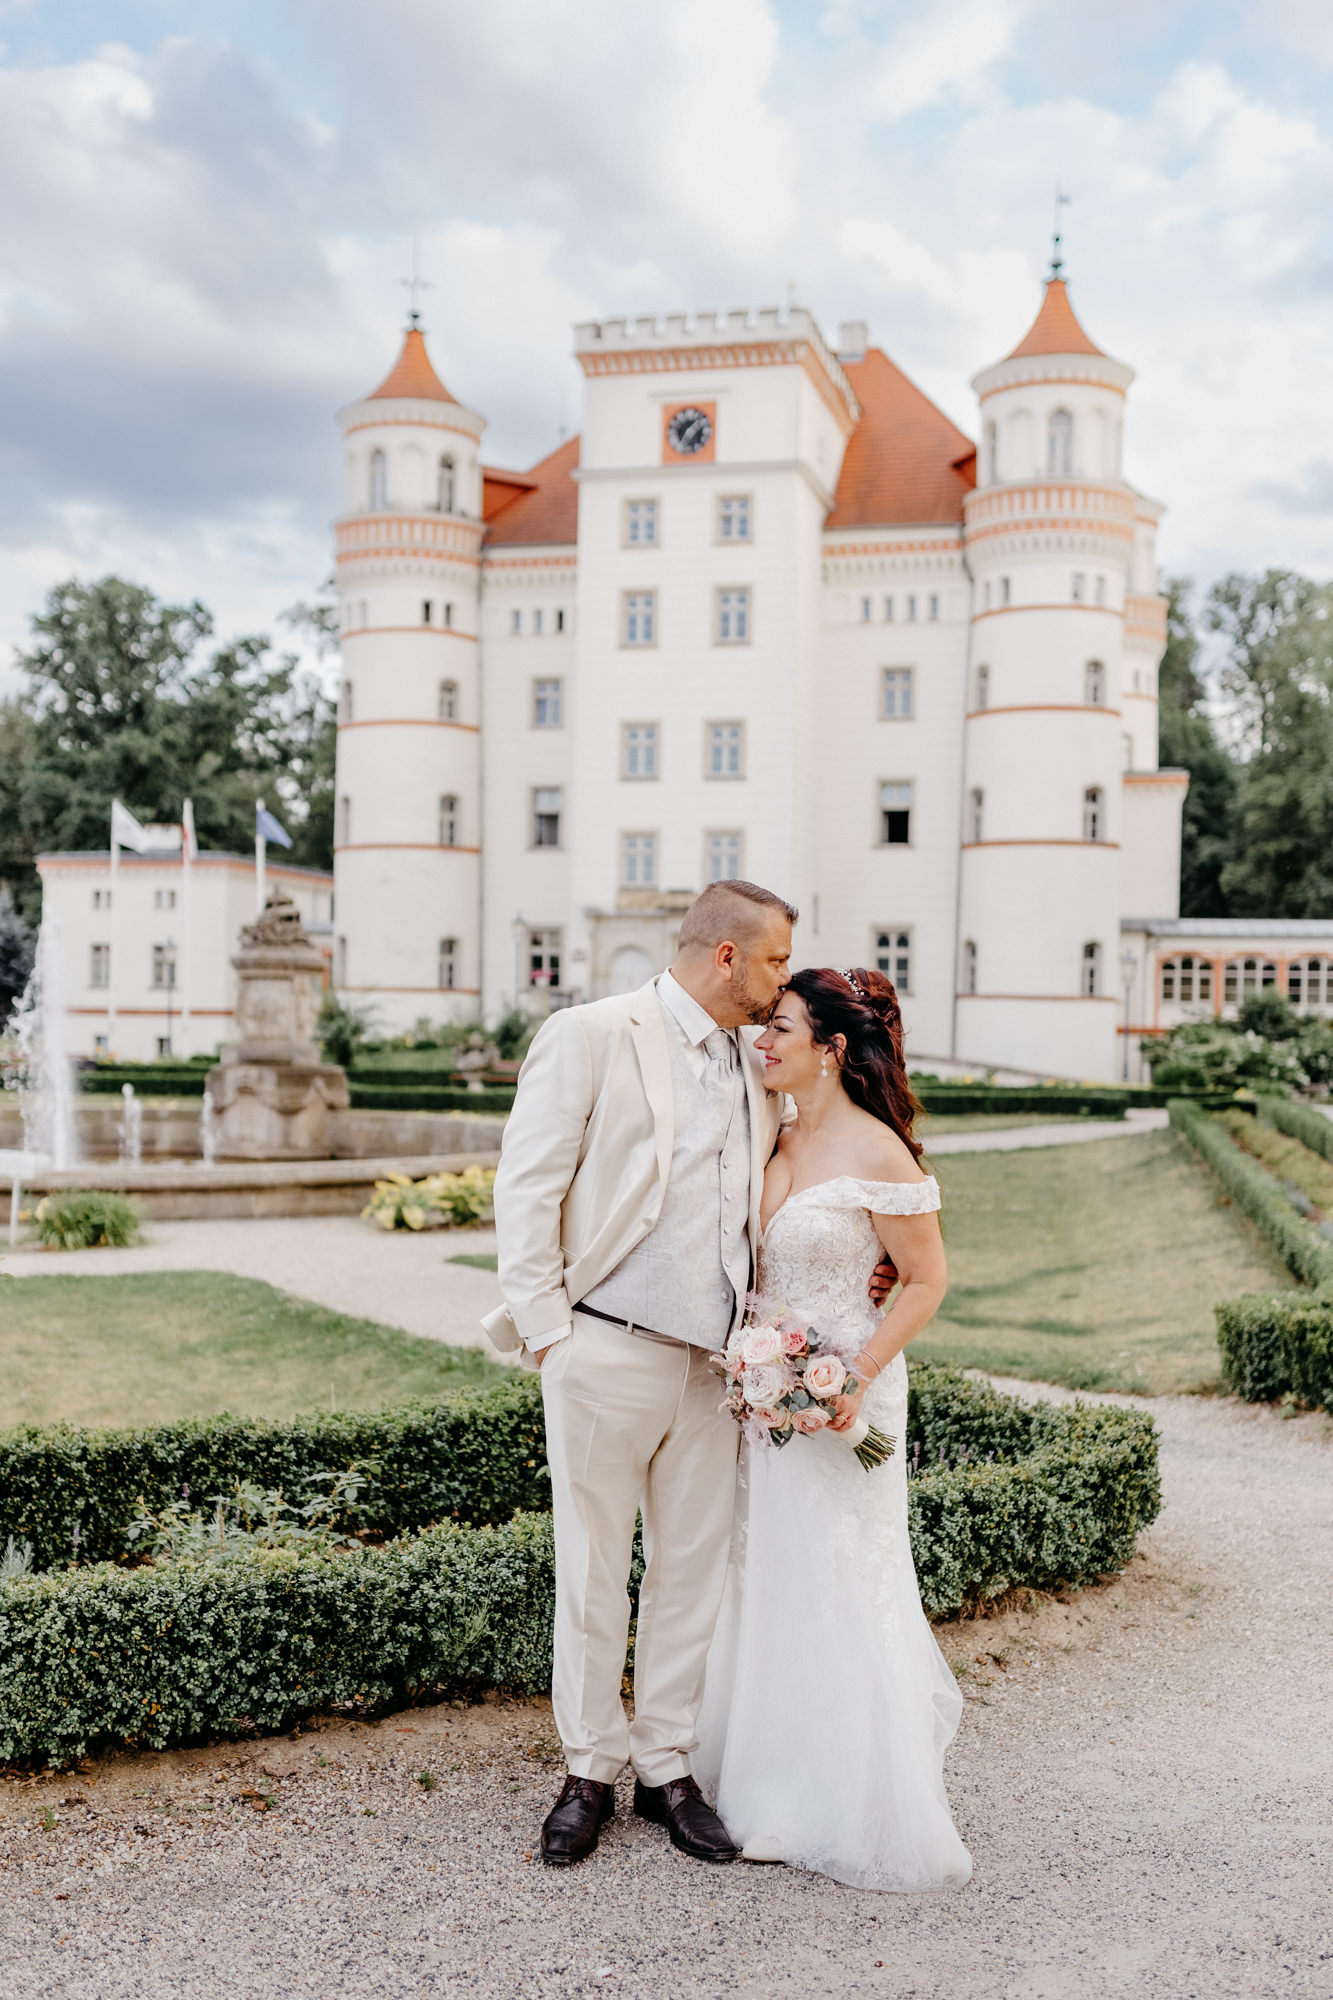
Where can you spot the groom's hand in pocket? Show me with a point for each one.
(882, 1281)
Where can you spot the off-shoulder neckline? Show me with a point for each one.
(833, 1181)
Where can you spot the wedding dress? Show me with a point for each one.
(828, 1705)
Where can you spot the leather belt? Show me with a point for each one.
(632, 1326)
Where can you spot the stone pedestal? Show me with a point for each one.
(271, 1095)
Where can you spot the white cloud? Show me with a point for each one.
(944, 51)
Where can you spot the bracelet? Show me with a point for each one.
(863, 1356)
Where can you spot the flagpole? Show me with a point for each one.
(187, 857)
(259, 859)
(112, 948)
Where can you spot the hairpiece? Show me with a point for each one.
(850, 977)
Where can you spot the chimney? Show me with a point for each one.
(853, 338)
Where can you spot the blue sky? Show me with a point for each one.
(207, 209)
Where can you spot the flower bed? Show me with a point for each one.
(1002, 1493)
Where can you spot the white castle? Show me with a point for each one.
(768, 615)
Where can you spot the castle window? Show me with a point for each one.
(447, 701)
(640, 524)
(893, 956)
(537, 623)
(638, 618)
(638, 860)
(933, 607)
(164, 899)
(1060, 445)
(1187, 979)
(638, 750)
(340, 962)
(989, 461)
(559, 621)
(1099, 590)
(1005, 590)
(895, 813)
(1127, 752)
(548, 704)
(1094, 684)
(543, 958)
(425, 611)
(1094, 813)
(346, 702)
(888, 611)
(896, 694)
(1077, 586)
(446, 614)
(344, 834)
(449, 820)
(1310, 984)
(99, 965)
(865, 610)
(976, 810)
(733, 518)
(164, 965)
(983, 687)
(448, 975)
(101, 899)
(444, 496)
(985, 595)
(726, 750)
(515, 624)
(733, 618)
(1241, 976)
(547, 801)
(723, 853)
(911, 610)
(969, 966)
(1091, 975)
(379, 483)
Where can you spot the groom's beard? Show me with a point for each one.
(755, 1010)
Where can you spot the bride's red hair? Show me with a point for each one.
(862, 1007)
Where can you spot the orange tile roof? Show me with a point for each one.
(548, 512)
(905, 461)
(412, 374)
(499, 489)
(1055, 330)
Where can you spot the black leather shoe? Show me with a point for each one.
(570, 1831)
(687, 1816)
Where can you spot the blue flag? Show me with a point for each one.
(269, 828)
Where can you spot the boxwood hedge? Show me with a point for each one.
(1300, 1121)
(1307, 1254)
(1003, 1493)
(1279, 1344)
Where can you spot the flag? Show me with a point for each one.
(268, 828)
(126, 830)
(189, 845)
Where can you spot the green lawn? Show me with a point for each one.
(146, 1348)
(1095, 1265)
(935, 1122)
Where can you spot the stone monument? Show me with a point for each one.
(270, 1094)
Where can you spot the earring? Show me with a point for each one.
(823, 1065)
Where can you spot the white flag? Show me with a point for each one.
(125, 829)
(189, 845)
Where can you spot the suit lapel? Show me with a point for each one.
(648, 1031)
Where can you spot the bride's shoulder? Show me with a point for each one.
(878, 1153)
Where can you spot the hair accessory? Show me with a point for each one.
(850, 977)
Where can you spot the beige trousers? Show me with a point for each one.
(634, 1423)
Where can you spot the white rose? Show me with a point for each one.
(762, 1344)
(764, 1385)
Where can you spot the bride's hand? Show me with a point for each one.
(846, 1409)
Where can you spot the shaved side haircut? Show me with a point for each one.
(729, 912)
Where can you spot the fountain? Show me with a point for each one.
(208, 1131)
(44, 1074)
(130, 1129)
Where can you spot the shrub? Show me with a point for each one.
(1041, 1100)
(475, 1458)
(183, 1079)
(1278, 1346)
(440, 1201)
(1305, 1252)
(1300, 1121)
(82, 1220)
(165, 1655)
(342, 1029)
(1306, 1175)
(428, 1097)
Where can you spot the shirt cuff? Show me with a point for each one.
(535, 1342)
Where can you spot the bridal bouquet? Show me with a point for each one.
(781, 1383)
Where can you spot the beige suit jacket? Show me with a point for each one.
(586, 1156)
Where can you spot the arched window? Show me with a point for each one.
(970, 967)
(1091, 977)
(449, 821)
(983, 687)
(1310, 985)
(1187, 981)
(1060, 445)
(448, 702)
(444, 489)
(990, 472)
(1094, 684)
(1243, 976)
(1094, 813)
(976, 813)
(448, 962)
(379, 482)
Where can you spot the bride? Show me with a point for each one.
(828, 1705)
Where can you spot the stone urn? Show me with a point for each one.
(270, 1094)
(476, 1056)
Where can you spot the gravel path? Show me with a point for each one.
(1143, 1776)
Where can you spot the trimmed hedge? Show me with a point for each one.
(1300, 1121)
(474, 1459)
(171, 1080)
(165, 1655)
(433, 1097)
(1307, 1254)
(1278, 1345)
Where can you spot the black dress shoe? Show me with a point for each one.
(570, 1831)
(687, 1816)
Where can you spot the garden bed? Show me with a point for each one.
(1002, 1494)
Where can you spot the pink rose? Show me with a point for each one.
(810, 1421)
(764, 1385)
(762, 1344)
(793, 1339)
(825, 1375)
(773, 1419)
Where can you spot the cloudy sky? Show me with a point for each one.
(207, 209)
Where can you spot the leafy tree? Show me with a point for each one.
(1278, 630)
(123, 701)
(17, 946)
(1187, 741)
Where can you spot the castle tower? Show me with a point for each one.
(1065, 639)
(407, 833)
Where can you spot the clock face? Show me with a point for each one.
(689, 431)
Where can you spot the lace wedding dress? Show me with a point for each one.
(828, 1705)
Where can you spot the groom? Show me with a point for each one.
(627, 1208)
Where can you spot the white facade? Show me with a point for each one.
(145, 975)
(766, 617)
(1181, 969)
